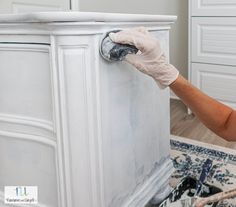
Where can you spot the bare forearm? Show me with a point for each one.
(216, 116)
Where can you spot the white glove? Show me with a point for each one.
(151, 59)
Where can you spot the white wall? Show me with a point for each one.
(179, 33)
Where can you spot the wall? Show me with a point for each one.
(179, 33)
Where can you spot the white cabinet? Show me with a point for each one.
(213, 7)
(218, 81)
(214, 40)
(212, 48)
(22, 6)
(86, 132)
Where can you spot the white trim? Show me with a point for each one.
(27, 121)
(91, 129)
(83, 17)
(24, 47)
(189, 38)
(64, 125)
(189, 44)
(76, 28)
(21, 119)
(101, 181)
(29, 137)
(151, 186)
(92, 98)
(57, 117)
(63, 198)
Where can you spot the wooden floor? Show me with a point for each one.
(189, 126)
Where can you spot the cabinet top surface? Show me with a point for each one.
(48, 17)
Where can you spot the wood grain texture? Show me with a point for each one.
(189, 126)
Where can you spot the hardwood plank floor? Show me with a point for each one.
(189, 126)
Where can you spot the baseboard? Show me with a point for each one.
(149, 189)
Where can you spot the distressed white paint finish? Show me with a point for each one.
(102, 127)
(29, 160)
(26, 120)
(76, 69)
(213, 7)
(213, 40)
(132, 106)
(87, 17)
(28, 74)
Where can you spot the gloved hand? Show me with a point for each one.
(151, 60)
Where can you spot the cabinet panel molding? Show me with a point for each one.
(213, 8)
(217, 81)
(77, 94)
(29, 160)
(25, 82)
(213, 40)
(27, 125)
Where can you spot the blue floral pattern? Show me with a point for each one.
(188, 160)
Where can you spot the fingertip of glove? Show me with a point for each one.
(112, 36)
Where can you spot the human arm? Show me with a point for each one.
(220, 118)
